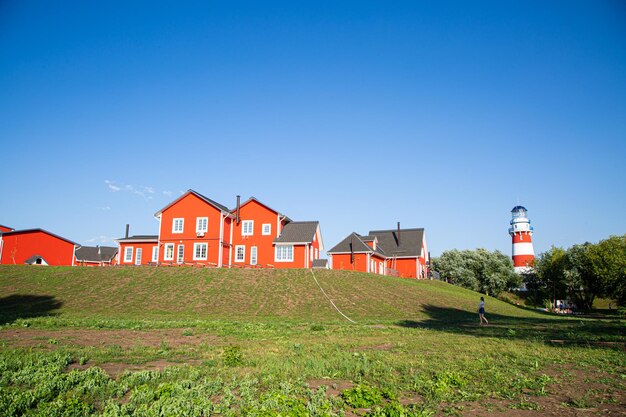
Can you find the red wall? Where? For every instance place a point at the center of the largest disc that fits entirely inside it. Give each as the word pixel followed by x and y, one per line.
pixel 146 252
pixel 189 208
pixel 406 267
pixel 20 246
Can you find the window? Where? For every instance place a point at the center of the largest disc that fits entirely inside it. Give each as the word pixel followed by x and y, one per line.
pixel 155 254
pixel 138 256
pixel 240 253
pixel 169 252
pixel 178 225
pixel 199 251
pixel 381 270
pixel 267 229
pixel 201 224
pixel 253 255
pixel 128 254
pixel 180 256
pixel 284 253
pixel 247 227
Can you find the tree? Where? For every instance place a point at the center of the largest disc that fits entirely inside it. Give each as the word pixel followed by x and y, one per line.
pixel 582 281
pixel 547 280
pixel 608 259
pixel 478 270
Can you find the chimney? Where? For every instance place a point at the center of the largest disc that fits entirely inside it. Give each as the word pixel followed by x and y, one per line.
pixel 398 234
pixel 127 227
pixel 237 209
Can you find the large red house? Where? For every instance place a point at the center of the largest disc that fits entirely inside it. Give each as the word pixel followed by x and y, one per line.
pixel 195 230
pixel 35 247
pixel 399 252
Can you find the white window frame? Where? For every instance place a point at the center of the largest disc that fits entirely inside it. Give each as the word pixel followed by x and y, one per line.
pixel 171 257
pixel 266 230
pixel 180 254
pixel 279 256
pixel 138 254
pixel 182 225
pixel 128 259
pixel 155 254
pixel 254 255
pixel 244 229
pixel 195 251
pixel 199 221
pixel 243 253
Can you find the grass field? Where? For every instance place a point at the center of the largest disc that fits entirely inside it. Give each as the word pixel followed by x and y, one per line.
pixel 185 341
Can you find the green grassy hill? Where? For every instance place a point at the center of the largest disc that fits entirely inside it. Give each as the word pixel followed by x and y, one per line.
pixel 169 293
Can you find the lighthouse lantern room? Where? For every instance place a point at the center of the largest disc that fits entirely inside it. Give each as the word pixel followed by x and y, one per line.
pixel 521 233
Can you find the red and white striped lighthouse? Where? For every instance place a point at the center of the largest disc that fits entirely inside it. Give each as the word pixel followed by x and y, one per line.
pixel 521 232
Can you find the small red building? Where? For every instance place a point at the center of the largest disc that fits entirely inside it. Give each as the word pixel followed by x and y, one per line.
pixel 138 250
pixel 399 252
pixel 36 247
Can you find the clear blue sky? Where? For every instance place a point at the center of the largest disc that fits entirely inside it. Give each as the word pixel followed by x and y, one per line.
pixel 442 115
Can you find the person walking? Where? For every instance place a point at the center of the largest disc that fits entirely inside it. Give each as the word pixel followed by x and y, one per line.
pixel 481 311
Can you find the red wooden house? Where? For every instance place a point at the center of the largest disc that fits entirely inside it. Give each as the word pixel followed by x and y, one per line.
pixel 138 250
pixel 35 247
pixel 401 252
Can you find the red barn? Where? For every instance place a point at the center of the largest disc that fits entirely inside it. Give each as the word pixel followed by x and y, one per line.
pixel 36 247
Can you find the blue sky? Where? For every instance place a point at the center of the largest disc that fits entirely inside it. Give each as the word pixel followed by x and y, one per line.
pixel 442 115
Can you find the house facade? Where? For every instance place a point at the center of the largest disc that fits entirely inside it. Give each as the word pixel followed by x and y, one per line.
pixel 398 252
pixel 195 230
pixel 36 247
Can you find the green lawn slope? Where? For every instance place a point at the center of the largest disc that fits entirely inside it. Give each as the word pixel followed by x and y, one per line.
pixel 171 293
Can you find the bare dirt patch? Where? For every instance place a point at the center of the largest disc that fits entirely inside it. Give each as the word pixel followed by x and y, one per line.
pixel 88 337
pixel 334 386
pixel 114 369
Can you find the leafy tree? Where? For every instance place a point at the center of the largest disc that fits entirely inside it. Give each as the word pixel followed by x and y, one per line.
pixel 608 259
pixel 547 280
pixel 584 285
pixel 478 270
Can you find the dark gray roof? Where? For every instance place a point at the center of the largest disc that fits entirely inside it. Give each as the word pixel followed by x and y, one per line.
pixel 135 238
pixel 518 208
pixel 33 259
pixel 320 263
pixel 358 245
pixel 200 196
pixel 409 244
pixel 95 253
pixel 298 232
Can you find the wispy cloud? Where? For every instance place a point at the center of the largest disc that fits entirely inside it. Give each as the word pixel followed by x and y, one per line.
pixel 168 193
pixel 105 208
pixel 101 239
pixel 139 190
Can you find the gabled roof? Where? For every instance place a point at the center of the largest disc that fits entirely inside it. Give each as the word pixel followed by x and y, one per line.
pixel 320 263
pixel 139 238
pixel 298 232
pixel 15 232
pixel 10 229
pixel 215 204
pixel 409 244
pixel 261 203
pixel 354 242
pixel 95 253
pixel 33 260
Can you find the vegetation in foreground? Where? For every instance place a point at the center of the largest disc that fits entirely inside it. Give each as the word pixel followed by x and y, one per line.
pixel 421 353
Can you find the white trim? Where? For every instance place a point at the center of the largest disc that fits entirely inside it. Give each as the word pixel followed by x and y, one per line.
pixel 254 250
pixel 230 248
pixel 196 245
pixel 243 257
pixel 206 224
pixel 126 260
pixel 182 225
pixel 138 255
pixel 243 228
pixel 180 259
pixel 269 232
pixel 155 252
pixel 221 245
pixel 165 246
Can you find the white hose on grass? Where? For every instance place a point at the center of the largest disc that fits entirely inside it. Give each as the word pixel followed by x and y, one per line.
pixel 331 301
